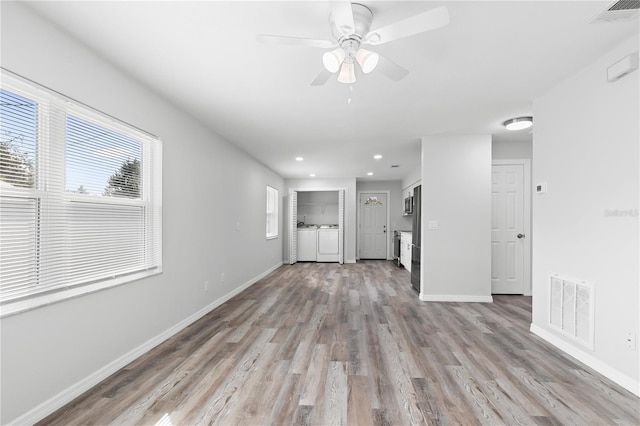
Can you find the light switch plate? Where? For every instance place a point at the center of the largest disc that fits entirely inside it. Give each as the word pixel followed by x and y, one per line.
pixel 541 188
pixel 433 224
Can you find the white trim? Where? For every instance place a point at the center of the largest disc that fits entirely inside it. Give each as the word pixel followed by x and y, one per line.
pixel 455 298
pixel 350 261
pixel 341 222
pixel 526 163
pixel 359 212
pixel 606 370
pixel 57 401
pixel 276 212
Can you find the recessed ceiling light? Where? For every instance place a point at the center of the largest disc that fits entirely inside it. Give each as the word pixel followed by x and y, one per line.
pixel 518 123
pixel 369 173
pixel 312 175
pixel 377 156
pixel 299 158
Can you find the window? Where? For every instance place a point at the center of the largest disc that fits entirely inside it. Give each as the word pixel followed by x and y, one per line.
pixel 272 212
pixel 80 199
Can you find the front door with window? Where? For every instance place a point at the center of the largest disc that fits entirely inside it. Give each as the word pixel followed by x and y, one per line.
pixel 373 226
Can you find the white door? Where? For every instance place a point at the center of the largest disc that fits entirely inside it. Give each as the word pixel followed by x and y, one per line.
pixel 293 227
pixel 508 237
pixel 373 226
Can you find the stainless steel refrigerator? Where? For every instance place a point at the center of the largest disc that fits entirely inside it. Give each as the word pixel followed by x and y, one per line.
pixel 415 238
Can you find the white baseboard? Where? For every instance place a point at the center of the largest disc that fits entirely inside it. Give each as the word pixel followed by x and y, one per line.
pixel 455 298
pixel 606 370
pixel 52 404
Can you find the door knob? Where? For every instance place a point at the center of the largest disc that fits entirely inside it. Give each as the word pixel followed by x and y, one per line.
pixel 520 235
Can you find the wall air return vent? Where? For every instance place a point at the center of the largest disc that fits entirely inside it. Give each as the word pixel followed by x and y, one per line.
pixel 571 308
pixel 622 10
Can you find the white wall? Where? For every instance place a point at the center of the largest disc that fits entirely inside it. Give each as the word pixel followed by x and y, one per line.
pixel 350 209
pixel 586 148
pixel 318 207
pixel 511 149
pixel 208 186
pixel 456 191
pixel 413 177
pixel 396 205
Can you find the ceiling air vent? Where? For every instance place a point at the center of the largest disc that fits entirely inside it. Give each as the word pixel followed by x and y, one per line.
pixel 622 10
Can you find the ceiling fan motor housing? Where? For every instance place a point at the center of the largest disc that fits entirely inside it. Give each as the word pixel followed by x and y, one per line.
pixel 362 18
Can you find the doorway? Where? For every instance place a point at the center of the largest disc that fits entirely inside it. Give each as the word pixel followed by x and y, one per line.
pixel 373 238
pixel 510 227
pixel 329 221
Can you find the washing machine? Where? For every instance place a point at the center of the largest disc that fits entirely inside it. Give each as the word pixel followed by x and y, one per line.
pixel 307 246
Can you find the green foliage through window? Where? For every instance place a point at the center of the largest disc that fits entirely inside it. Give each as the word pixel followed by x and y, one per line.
pixel 125 182
pixel 17 140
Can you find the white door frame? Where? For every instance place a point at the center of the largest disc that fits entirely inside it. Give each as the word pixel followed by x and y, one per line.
pixel 358 213
pixel 526 163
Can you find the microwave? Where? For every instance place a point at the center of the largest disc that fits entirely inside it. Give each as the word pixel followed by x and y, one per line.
pixel 408 205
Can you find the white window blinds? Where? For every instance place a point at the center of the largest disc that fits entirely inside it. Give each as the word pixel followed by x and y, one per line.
pixel 80 198
pixel 272 212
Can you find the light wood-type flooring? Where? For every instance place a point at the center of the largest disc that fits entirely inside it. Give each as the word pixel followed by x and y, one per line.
pixel 326 344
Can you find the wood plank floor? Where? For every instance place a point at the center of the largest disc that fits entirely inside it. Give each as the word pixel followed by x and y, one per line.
pixel 326 344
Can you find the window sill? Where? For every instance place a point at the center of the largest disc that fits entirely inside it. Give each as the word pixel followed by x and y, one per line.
pixel 36 302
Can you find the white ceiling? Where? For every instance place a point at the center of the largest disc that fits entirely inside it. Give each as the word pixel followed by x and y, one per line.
pixel 486 66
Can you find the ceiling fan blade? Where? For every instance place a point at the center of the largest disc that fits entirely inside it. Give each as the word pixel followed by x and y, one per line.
pixel 296 41
pixel 392 70
pixel 430 20
pixel 342 16
pixel 322 77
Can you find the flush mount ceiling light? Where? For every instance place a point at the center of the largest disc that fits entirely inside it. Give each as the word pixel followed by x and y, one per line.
pixel 377 156
pixel 518 123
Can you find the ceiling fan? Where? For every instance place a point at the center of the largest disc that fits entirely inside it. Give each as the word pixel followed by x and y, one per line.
pixel 351 29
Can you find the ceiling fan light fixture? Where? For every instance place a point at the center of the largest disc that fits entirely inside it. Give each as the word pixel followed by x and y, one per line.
pixel 518 123
pixel 332 60
pixel 367 59
pixel 347 73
